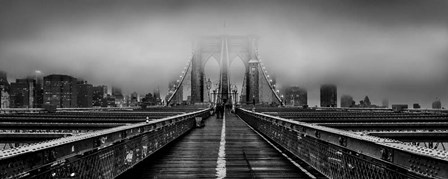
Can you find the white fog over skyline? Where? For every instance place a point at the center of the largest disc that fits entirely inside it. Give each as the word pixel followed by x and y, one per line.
pixel 395 49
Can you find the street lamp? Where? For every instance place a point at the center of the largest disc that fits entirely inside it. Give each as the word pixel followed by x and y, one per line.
pixel 214 97
pixel 236 94
pixel 281 97
pixel 234 99
pixel 209 86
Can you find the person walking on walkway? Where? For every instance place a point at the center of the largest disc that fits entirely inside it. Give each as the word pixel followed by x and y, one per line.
pixel 219 111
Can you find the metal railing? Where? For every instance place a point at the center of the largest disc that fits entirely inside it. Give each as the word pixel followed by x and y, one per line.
pixel 102 154
pixel 341 154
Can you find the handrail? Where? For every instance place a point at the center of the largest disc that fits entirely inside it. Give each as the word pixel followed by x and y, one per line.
pixel 24 160
pixel 342 148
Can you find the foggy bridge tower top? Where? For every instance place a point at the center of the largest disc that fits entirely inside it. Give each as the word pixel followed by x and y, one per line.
pixel 225 49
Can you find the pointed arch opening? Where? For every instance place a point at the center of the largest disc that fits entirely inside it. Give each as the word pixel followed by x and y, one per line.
pixel 237 70
pixel 211 73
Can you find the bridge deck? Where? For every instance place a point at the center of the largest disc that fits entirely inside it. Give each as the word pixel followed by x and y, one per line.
pixel 195 155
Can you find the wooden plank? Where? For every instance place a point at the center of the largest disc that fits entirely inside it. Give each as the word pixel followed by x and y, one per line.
pixel 265 161
pixel 195 155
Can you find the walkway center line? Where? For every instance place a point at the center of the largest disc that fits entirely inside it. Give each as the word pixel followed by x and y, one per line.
pixel 221 163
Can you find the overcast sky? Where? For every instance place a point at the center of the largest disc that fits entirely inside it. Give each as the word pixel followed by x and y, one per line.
pixel 396 49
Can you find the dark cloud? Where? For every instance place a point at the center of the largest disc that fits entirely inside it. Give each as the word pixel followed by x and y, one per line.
pixel 395 48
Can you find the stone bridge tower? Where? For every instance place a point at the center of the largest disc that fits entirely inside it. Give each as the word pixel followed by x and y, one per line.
pixel 225 49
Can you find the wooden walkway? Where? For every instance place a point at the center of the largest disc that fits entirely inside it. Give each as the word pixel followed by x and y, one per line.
pixel 196 155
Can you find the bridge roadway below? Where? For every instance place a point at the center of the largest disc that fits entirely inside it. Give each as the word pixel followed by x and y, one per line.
pixel 77 121
pixel 196 155
pixel 31 136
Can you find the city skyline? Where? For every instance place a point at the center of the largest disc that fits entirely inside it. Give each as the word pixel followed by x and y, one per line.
pixel 342 97
pixel 393 49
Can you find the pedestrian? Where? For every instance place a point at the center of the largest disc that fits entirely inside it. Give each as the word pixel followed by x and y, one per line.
pixel 222 109
pixel 219 111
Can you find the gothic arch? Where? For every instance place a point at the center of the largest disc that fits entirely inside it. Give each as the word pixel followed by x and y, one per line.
pixel 225 49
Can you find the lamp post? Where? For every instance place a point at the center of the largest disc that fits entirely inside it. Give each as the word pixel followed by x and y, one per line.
pixel 283 100
pixel 214 97
pixel 234 92
pixel 209 86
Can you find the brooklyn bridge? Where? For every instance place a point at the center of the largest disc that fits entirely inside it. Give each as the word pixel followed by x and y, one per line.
pixel 251 140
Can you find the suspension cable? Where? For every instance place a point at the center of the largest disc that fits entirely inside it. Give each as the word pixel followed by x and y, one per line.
pixel 269 83
pixel 177 86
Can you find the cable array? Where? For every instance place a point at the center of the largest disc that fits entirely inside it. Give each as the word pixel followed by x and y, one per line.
pixel 269 80
pixel 173 89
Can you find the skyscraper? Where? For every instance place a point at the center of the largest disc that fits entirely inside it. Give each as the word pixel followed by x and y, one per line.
pixel 437 104
pixel 22 93
pixel 4 90
pixel 296 96
pixel 367 102
pixel 38 95
pixel 385 103
pixel 416 106
pixel 134 99
pixel 116 91
pixel 4 101
pixel 347 101
pixel 99 94
pixel 109 101
pixel 38 77
pixel 328 95
pixel 4 84
pixel 156 94
pixel 39 90
pixel 60 90
pixel 118 95
pixel 85 94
